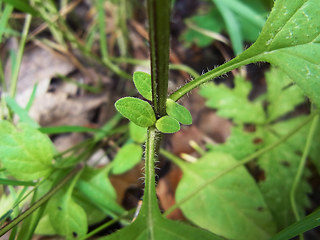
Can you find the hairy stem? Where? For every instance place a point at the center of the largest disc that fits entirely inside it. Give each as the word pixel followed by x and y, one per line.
pixel 159 34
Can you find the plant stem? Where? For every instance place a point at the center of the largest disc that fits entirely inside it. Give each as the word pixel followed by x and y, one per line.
pixel 253 156
pixel 298 176
pixel 237 62
pixel 41 201
pixel 15 70
pixel 159 34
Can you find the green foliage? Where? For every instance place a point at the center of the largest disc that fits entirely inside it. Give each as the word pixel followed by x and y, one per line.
pixel 167 124
pixel 235 194
pixel 95 186
pixel 178 112
pixel 280 164
pixel 26 153
pixel 22 6
pixel 127 157
pixel 138 134
pixel 66 217
pixel 233 103
pixel 243 20
pixel 142 81
pixel 138 111
pixel 290 40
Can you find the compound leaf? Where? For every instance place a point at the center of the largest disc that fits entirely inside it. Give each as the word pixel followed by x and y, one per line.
pixel 142 81
pixel 25 152
pixel 136 110
pixel 178 112
pixel 233 103
pixel 282 95
pixel 232 206
pixel 167 124
pixel 127 157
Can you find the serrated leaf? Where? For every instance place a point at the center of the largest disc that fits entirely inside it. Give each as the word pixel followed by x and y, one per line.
pixel 67 217
pixel 282 95
pixel 136 110
pixel 96 187
pixel 25 152
pixel 239 144
pixel 231 206
pixel 127 157
pixel 178 112
pixel 280 166
pixel 137 133
pixel 142 81
pixel 167 124
pixel 233 103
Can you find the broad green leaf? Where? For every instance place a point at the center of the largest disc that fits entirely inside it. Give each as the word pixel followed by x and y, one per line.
pixel 178 112
pixel 127 157
pixel 233 103
pixel 240 143
pixel 67 217
pixel 232 206
pixel 138 134
pixel 282 95
pixel 25 152
pixel 290 40
pixel 95 186
pixel 136 110
pixel 161 228
pixel 280 166
pixel 142 81
pixel 167 124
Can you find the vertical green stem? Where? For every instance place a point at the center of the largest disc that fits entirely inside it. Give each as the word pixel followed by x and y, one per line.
pixel 159 34
pixel 301 168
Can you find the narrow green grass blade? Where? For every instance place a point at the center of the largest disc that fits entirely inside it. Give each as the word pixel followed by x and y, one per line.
pixel 67 129
pixel 309 222
pixel 32 97
pixel 22 113
pixel 15 182
pixel 4 19
pixel 22 6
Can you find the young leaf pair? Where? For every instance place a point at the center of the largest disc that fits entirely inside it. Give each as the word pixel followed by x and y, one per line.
pixel 141 112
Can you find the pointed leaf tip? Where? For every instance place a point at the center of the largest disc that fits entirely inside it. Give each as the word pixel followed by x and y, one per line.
pixel 136 110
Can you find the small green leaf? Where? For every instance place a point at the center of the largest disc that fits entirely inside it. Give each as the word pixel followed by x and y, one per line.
pixel 22 6
pixel 136 110
pixel 142 81
pixel 168 124
pixel 25 152
pixel 179 112
pixel 137 133
pixel 127 157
